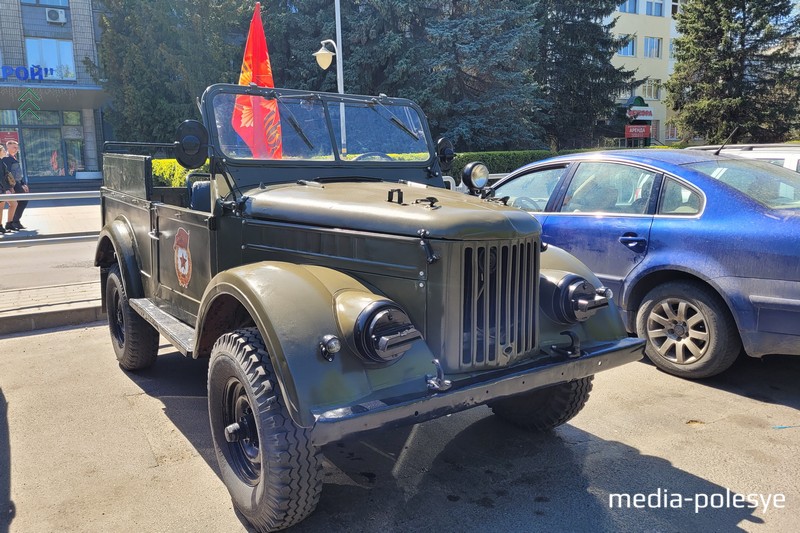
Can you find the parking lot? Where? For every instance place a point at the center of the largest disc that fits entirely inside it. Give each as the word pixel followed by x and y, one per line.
pixel 85 446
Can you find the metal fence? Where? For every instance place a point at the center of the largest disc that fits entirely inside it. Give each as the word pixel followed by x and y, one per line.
pixel 6 242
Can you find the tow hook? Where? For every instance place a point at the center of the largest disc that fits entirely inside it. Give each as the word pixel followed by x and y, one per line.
pixel 438 383
pixel 571 351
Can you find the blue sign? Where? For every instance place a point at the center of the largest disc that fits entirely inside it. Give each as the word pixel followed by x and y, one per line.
pixel 34 72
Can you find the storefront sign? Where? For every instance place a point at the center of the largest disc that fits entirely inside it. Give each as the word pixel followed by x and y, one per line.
pixel 640 113
pixel 34 72
pixel 6 136
pixel 637 131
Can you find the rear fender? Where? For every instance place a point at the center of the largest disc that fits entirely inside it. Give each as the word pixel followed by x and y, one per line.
pixel 294 307
pixel 116 244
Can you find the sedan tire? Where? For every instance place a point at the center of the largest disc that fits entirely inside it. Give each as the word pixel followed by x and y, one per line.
pixel 689 330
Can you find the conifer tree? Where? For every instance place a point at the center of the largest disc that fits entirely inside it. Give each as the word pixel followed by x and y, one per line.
pixel 737 64
pixel 575 71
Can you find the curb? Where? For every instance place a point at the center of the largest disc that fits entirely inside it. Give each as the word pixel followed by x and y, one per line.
pixel 25 323
pixel 27 310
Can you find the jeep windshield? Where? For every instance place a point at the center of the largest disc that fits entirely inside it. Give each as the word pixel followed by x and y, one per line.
pixel 257 124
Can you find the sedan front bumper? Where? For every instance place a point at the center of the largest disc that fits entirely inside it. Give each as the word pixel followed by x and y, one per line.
pixel 335 424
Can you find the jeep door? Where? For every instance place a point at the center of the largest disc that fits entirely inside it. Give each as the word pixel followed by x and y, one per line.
pixel 184 258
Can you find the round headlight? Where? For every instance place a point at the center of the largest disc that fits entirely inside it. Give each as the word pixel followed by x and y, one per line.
pixel 475 175
pixel 567 298
pixel 383 332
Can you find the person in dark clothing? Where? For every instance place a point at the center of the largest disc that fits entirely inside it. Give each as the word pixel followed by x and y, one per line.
pixel 5 186
pixel 14 166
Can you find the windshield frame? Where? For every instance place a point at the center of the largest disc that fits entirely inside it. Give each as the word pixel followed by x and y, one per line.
pixel 327 99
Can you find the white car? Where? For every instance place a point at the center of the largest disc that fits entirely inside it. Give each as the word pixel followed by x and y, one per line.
pixel 785 155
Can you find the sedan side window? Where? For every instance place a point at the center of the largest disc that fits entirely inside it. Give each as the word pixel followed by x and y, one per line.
pixel 677 199
pixel 609 188
pixel 531 191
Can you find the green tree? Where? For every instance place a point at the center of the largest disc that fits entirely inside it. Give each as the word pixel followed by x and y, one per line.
pixel 737 65
pixel 156 56
pixel 575 70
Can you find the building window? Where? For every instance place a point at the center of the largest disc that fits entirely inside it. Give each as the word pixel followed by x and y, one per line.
pixel 671 133
pixel 58 3
pixel 652 47
pixel 51 54
pixel 672 48
pixel 52 145
pixel 655 8
pixel 655 128
pixel 651 90
pixel 677 7
pixel 629 6
pixel 628 50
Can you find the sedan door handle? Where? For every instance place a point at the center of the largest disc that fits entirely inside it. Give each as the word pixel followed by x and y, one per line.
pixel 634 242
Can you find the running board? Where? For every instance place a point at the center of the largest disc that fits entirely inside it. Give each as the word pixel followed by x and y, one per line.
pixel 179 334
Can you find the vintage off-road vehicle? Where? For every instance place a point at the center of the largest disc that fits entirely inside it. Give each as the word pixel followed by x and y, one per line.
pixel 338 287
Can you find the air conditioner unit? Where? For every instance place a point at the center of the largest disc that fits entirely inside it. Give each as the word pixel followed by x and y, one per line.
pixel 56 16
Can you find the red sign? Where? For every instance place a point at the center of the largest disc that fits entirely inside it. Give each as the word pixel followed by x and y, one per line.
pixel 637 131
pixel 6 136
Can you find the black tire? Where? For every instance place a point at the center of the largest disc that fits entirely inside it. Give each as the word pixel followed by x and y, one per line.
pixel 547 408
pixel 135 341
pixel 273 470
pixel 689 330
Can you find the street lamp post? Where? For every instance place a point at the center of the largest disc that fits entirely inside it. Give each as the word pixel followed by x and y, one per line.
pixel 323 56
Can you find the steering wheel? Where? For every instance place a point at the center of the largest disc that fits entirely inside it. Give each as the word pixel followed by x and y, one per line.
pixel 524 202
pixel 373 156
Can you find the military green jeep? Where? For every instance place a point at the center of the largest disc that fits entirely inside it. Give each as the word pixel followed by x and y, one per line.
pixel 337 286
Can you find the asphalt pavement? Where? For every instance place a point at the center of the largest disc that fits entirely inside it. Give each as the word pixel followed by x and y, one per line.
pixel 85 446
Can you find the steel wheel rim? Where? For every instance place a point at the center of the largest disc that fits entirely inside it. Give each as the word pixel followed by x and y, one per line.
pixel 118 319
pixel 678 331
pixel 245 453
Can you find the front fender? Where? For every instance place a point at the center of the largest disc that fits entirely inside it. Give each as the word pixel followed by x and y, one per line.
pixel 605 325
pixel 116 243
pixel 293 307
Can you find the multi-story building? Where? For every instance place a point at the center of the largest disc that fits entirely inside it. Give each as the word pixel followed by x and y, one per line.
pixel 651 25
pixel 49 102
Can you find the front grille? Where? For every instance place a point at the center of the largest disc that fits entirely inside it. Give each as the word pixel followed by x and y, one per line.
pixel 498 303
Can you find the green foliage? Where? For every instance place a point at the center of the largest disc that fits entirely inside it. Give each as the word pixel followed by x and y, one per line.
pixel 737 65
pixel 157 56
pixel 499 162
pixel 169 173
pixel 489 74
pixel 575 72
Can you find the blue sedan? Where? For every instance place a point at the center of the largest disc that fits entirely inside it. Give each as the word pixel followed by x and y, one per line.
pixel 702 251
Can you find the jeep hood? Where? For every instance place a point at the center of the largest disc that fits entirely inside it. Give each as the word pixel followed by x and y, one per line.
pixel 366 206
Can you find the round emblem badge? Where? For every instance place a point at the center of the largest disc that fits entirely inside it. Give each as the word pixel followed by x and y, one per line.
pixel 183 257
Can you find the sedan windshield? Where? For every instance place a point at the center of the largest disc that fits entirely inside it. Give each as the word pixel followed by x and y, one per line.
pixel 773 186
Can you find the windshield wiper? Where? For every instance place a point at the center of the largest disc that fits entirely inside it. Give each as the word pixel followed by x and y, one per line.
pixel 394 120
pixel 293 121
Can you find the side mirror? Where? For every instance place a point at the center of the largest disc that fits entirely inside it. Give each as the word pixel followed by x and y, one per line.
pixel 475 175
pixel 446 153
pixel 191 148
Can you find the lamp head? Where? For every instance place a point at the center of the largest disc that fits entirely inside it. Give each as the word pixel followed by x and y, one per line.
pixel 324 57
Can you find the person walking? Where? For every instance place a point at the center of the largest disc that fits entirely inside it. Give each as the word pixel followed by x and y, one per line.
pixel 15 167
pixel 5 188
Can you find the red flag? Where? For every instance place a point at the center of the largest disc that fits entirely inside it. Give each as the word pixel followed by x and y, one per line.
pixel 258 125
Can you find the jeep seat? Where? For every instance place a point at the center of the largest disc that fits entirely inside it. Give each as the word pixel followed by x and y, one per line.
pixel 199 193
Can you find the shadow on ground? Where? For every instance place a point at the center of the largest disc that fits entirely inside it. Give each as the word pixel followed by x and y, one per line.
pixel 771 379
pixel 6 505
pixel 472 472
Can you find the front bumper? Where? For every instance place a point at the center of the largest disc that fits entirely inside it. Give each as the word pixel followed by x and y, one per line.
pixel 335 424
